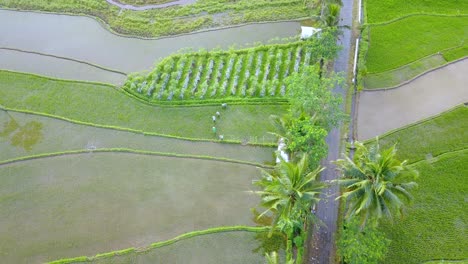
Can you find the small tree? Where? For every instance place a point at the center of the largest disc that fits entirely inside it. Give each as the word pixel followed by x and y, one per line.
pixel 289 192
pixel 308 92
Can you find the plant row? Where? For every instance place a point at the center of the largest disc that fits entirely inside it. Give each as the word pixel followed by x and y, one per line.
pixel 257 72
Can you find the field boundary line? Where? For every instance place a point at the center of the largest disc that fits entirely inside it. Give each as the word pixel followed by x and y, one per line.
pixel 415 163
pixel 133 130
pixel 412 15
pixel 417 76
pixel 164 104
pixel 130 151
pixel 163 243
pixel 386 134
pixel 64 58
pixel 108 28
pixel 422 58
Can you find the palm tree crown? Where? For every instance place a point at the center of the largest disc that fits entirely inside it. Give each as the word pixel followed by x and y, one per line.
pixel 375 182
pixel 289 191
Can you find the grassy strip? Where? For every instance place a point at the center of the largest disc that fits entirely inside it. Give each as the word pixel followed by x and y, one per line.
pixel 409 39
pixel 442 261
pixel 455 54
pixel 133 130
pixel 403 74
pixel 130 151
pixel 163 243
pixel 262 84
pixel 84 102
pixel 173 20
pixel 445 132
pixel 144 2
pixel 384 10
pixel 437 219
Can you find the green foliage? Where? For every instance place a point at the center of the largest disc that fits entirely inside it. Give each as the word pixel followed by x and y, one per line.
pixel 455 54
pixel 401 42
pixel 248 73
pixel 302 135
pixel 432 137
pixel 331 15
pixel 309 93
pixel 173 20
pixel 374 183
pixel 435 227
pixel 289 192
pixel 80 101
pixel 362 246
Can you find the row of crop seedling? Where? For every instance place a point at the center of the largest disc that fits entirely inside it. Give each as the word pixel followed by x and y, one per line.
pixel 258 72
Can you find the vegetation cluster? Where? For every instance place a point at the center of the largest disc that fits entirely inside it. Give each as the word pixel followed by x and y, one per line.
pixel 203 14
pixel 256 72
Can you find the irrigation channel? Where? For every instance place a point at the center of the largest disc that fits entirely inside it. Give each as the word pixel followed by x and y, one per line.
pixel 84 39
pixel 380 111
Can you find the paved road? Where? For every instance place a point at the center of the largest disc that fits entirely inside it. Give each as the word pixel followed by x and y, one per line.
pixel 321 248
pixel 148 7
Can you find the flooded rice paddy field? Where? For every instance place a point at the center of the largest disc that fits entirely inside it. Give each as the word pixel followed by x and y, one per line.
pixel 226 247
pixel 85 204
pixel 56 67
pixel 91 203
pixel 428 95
pixel 83 38
pixel 26 134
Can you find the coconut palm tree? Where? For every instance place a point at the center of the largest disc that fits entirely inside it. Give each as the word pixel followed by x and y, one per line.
pixel 376 183
pixel 289 191
pixel 331 15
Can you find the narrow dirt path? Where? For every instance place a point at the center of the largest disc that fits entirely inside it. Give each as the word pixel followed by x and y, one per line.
pixel 321 248
pixel 148 7
pixel 384 110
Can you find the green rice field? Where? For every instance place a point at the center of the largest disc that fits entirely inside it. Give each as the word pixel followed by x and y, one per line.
pixel 26 135
pixel 404 41
pixel 84 102
pixel 438 149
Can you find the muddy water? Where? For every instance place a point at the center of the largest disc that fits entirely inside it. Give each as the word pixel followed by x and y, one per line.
pixel 440 90
pixel 83 38
pixel 56 67
pixel 92 203
pixel 57 135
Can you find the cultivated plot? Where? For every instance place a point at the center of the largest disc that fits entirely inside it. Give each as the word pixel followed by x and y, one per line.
pixel 98 202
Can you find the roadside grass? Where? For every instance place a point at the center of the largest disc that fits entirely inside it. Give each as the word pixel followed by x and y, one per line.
pixel 400 75
pixel 204 14
pixel 104 105
pixel 99 202
pixel 385 10
pixel 444 133
pixel 404 41
pixel 435 226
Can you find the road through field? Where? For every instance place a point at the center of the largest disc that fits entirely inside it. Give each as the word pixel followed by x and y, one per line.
pixel 437 91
